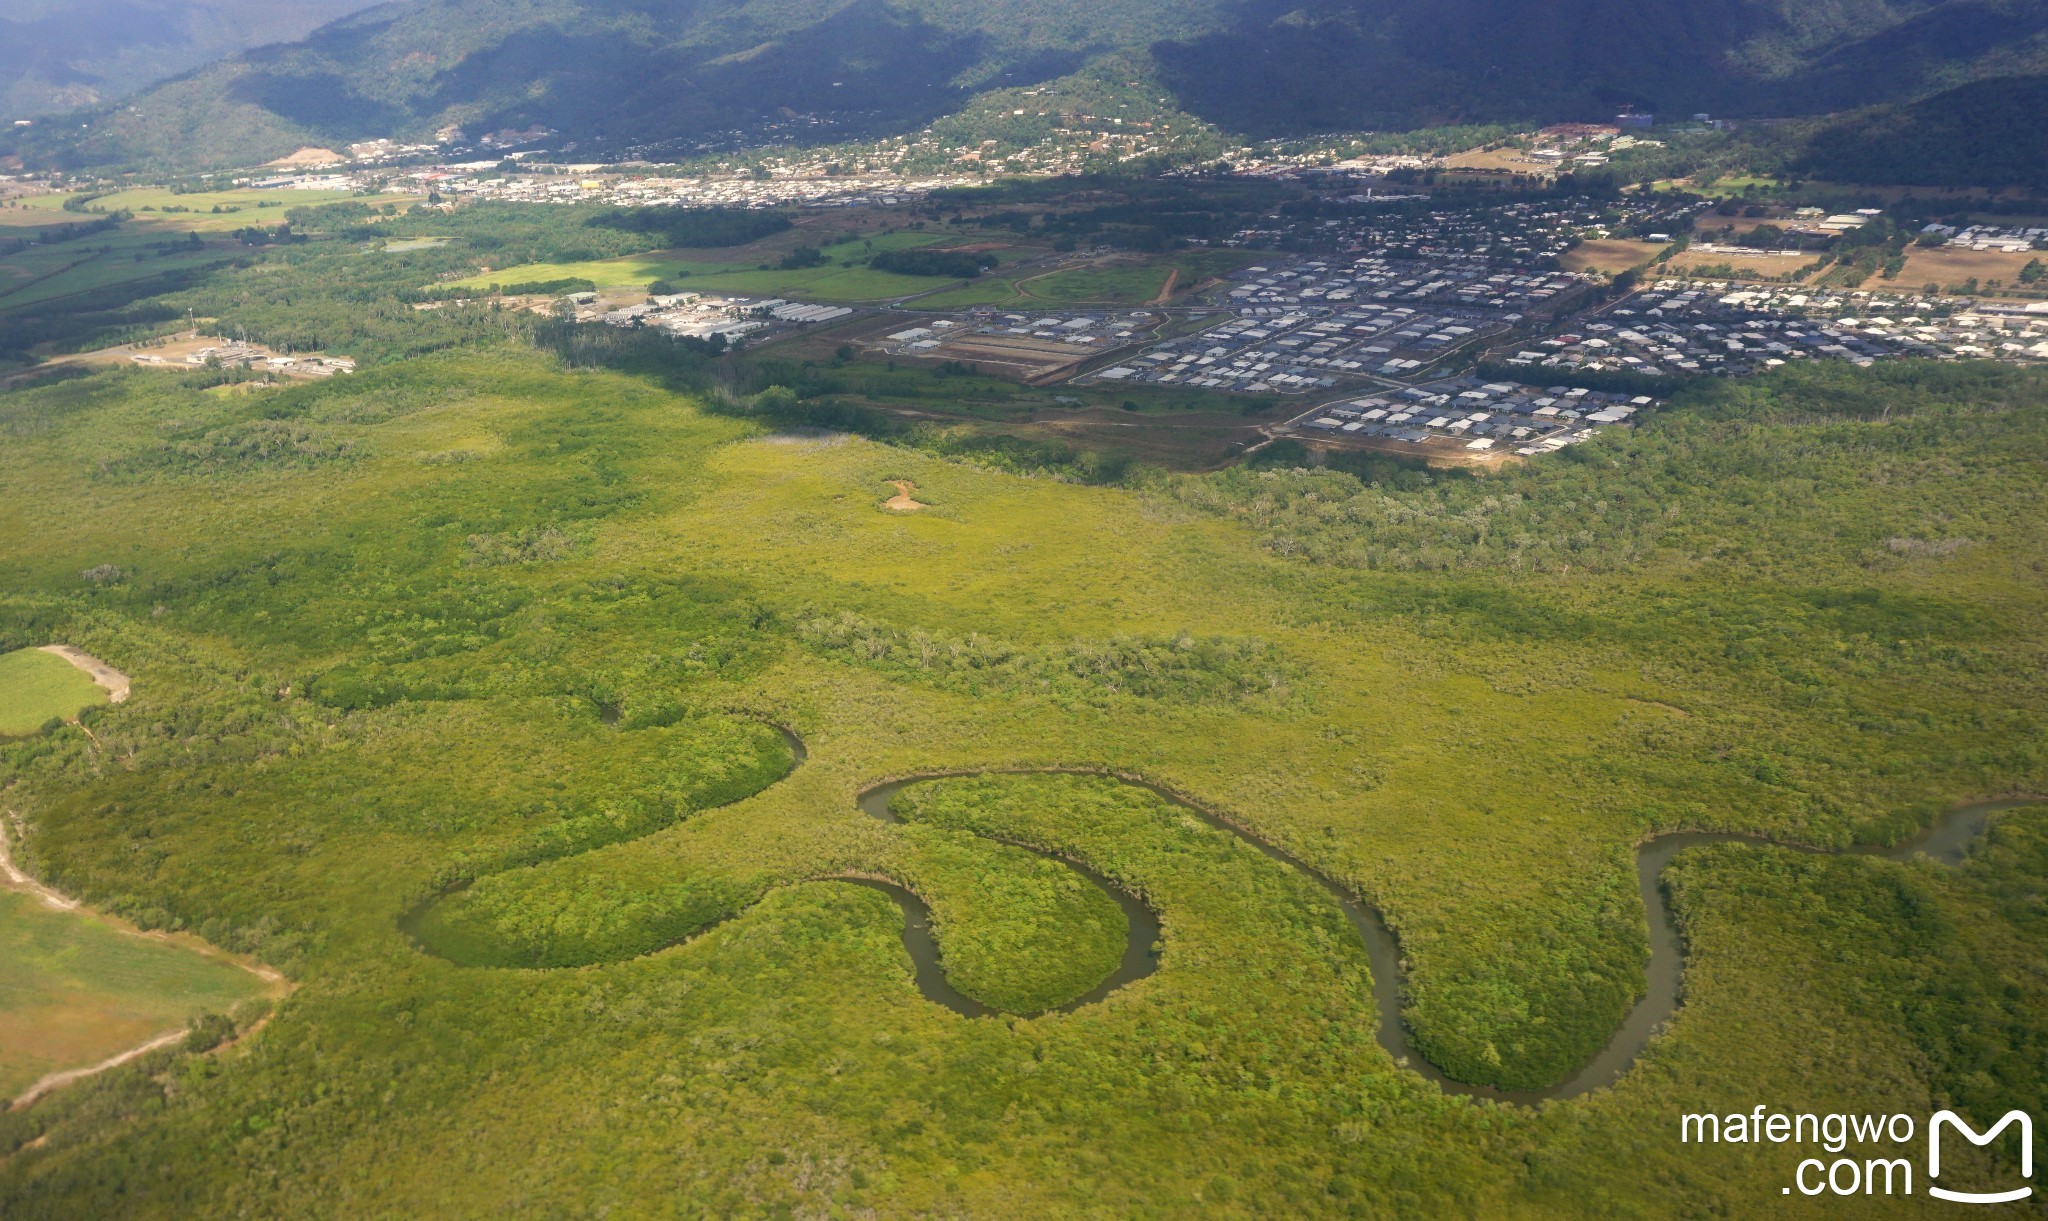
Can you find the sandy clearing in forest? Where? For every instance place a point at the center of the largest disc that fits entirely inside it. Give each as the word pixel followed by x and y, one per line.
pixel 902 502
pixel 111 680
pixel 11 877
pixel 53 1081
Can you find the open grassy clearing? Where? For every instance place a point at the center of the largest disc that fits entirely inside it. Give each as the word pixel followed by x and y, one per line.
pixel 378 669
pixel 38 687
pixel 43 274
pixel 694 272
pixel 1751 266
pixel 79 989
pixel 1952 268
pixel 1610 257
pixel 194 213
pixel 1119 283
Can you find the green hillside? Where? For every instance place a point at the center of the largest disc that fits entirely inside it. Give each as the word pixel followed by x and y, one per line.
pixel 612 77
pixel 1987 133
pixel 1407 63
pixel 59 55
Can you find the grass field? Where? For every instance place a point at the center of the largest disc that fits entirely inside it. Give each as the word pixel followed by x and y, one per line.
pixel 1745 266
pixel 1951 268
pixel 829 281
pixel 195 212
pixel 477 618
pixel 42 274
pixel 1610 257
pixel 36 687
pixel 1113 284
pixel 78 989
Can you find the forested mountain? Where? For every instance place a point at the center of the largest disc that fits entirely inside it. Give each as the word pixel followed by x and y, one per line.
pixel 58 55
pixel 613 74
pixel 1340 64
pixel 1987 133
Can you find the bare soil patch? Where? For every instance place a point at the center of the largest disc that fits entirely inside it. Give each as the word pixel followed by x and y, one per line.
pixel 53 1081
pixel 1949 266
pixel 1610 255
pixel 110 680
pixel 902 501
pixel 311 155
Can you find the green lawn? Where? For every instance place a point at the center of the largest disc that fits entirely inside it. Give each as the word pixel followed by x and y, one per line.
pixel 78 989
pixel 36 687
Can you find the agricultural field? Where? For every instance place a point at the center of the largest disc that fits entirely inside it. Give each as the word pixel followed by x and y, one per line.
pixel 35 277
pixel 693 271
pixel 196 212
pixel 38 687
pixel 483 695
pixel 1127 280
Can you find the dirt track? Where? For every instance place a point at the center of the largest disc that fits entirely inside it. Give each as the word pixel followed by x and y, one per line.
pixel 111 680
pixel 54 1081
pixel 902 502
pixel 12 878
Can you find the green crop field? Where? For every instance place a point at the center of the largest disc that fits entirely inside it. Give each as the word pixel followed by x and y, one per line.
pixel 829 281
pixel 38 687
pixel 78 990
pixel 458 682
pixel 195 211
pixel 43 274
pixel 1114 284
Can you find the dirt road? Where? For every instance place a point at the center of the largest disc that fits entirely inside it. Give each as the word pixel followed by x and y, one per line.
pixel 111 680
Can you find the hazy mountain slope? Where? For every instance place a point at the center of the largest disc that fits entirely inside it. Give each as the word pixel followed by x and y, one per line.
pixel 58 55
pixel 1345 64
pixel 614 75
pixel 1987 133
pixel 621 70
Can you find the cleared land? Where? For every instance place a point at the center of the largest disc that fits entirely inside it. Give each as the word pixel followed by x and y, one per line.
pixel 697 271
pixel 37 687
pixel 195 213
pixel 1753 265
pixel 1610 256
pixel 1950 267
pixel 1124 280
pixel 80 988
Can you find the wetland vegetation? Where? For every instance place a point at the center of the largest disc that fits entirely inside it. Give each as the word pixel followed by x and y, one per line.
pixel 480 653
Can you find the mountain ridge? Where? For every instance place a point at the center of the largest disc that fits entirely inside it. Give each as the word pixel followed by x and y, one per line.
pixel 65 55
pixel 619 74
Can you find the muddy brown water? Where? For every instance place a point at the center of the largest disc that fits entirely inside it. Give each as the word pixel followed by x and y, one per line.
pixel 1948 842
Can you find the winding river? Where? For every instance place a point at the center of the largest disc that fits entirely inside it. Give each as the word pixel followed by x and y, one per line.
pixel 1948 842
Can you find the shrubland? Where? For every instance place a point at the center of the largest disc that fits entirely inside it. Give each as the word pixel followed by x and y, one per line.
pixel 524 625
